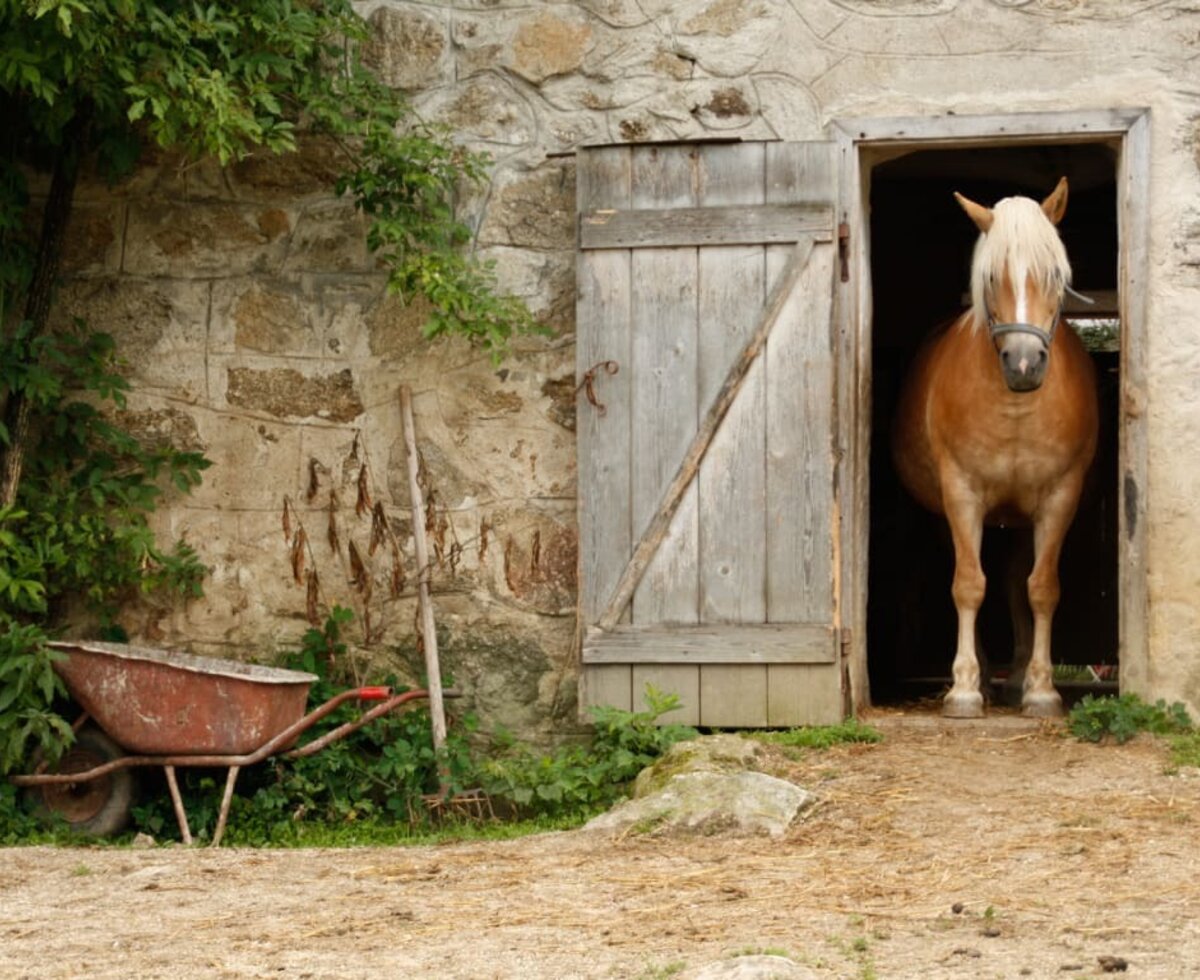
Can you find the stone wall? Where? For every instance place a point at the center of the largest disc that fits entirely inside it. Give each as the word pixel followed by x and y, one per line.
pixel 256 327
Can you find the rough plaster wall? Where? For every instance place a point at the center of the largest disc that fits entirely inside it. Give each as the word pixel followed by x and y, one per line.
pixel 257 329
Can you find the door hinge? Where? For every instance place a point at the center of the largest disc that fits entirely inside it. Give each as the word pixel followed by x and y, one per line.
pixel 844 249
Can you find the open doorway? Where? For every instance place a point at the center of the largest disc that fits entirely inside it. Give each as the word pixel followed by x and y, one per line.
pixel 920 247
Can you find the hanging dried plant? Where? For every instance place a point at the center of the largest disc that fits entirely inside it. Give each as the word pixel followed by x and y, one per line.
pixel 358 570
pixel 314 591
pixel 484 530
pixel 331 532
pixel 287 520
pixel 378 527
pixel 454 557
pixel 354 447
pixel 363 504
pixel 535 551
pixel 397 578
pixel 299 553
pixel 314 482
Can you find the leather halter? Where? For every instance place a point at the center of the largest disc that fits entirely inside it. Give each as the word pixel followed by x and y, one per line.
pixel 1046 337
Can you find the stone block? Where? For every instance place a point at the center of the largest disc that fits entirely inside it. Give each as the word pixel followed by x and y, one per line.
pixel 407 48
pixel 547 45
pixel 285 392
pixel 160 328
pixel 266 316
pixel 532 210
pixel 254 464
pixel 193 240
pixel 92 245
pixel 331 237
pixel 311 170
pixel 486 108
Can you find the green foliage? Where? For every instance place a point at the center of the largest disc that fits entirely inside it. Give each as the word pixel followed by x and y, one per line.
pixel 228 79
pixel 79 528
pixel 583 779
pixel 821 736
pixel 28 687
pixel 1093 719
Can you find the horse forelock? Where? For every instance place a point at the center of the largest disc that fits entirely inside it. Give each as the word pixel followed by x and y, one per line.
pixel 1021 239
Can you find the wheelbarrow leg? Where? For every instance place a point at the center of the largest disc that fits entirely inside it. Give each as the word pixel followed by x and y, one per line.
pixel 177 800
pixel 225 801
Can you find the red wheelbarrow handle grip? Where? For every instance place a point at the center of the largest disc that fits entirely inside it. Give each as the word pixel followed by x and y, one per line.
pixel 374 693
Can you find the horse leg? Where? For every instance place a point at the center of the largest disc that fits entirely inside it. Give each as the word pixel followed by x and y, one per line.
pixel 1039 698
pixel 964 513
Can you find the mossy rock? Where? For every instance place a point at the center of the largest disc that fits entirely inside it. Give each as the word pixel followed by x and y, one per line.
pixel 710 753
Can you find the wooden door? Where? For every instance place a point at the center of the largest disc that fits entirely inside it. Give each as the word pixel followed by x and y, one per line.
pixel 707 431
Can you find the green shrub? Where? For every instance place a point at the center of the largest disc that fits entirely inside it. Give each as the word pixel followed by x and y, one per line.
pixel 580 780
pixel 1093 719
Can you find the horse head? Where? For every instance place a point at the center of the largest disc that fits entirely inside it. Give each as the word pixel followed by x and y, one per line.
pixel 1018 277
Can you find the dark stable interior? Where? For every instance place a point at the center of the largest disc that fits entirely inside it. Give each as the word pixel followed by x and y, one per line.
pixel 921 243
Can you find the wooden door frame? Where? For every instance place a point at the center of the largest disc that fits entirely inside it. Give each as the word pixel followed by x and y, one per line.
pixel 863 143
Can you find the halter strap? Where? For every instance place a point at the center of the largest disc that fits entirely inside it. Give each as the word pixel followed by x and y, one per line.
pixel 1045 336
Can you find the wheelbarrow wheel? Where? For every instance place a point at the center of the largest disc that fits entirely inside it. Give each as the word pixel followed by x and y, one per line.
pixel 98 807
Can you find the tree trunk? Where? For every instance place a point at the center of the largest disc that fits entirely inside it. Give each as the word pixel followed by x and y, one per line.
pixel 18 412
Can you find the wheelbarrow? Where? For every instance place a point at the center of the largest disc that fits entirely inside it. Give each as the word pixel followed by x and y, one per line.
pixel 149 707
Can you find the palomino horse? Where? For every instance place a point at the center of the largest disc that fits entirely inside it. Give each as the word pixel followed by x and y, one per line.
pixel 997 423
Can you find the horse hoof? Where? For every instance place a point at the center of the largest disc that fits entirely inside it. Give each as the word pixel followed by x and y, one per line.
pixel 969 705
pixel 1042 705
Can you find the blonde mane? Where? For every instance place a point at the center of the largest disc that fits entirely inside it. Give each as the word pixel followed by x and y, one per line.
pixel 1023 240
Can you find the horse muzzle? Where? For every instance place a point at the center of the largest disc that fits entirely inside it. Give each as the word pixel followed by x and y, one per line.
pixel 1024 354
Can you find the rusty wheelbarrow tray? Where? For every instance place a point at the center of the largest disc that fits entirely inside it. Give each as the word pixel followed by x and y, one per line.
pixel 172 709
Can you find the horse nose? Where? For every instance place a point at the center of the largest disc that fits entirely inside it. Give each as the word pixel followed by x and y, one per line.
pixel 1023 361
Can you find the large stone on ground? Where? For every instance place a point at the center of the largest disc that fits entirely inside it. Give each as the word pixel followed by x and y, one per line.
pixel 707 787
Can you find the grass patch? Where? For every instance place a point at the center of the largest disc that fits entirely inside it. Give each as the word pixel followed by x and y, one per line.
pixel 820 736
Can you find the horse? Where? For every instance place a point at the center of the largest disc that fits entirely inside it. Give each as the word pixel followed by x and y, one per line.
pixel 997 423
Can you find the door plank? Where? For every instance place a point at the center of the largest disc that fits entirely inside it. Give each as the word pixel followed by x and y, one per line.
pixel 665 406
pixel 799 423
pixel 604 285
pixel 733 696
pixel 732 474
pixel 723 643
pixel 667 227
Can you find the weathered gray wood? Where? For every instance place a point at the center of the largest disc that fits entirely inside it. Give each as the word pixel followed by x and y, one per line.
pixel 668 227
pixel 854 316
pixel 804 695
pixel 732 474
pixel 608 684
pixel 772 643
pixel 665 406
pixel 799 417
pixel 733 696
pixel 604 291
pixel 433 671
pixel 967 131
pixel 670 679
pixel 1134 235
pixel 649 546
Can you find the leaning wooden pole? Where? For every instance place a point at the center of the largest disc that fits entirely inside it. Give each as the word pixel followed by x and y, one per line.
pixel 437 711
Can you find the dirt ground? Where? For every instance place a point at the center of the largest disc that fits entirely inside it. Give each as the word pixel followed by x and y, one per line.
pixel 951 850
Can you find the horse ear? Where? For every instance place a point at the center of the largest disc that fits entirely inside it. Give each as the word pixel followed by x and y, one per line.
pixel 1055 206
pixel 983 217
